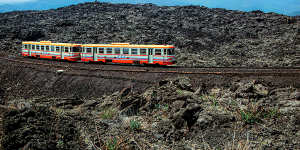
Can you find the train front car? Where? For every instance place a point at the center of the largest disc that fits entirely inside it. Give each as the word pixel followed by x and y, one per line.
pixel 127 53
pixel 169 56
pixel 49 50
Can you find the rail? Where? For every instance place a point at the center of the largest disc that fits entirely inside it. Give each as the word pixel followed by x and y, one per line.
pixel 249 71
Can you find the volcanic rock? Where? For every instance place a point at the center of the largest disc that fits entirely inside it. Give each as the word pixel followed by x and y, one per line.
pixel 202 36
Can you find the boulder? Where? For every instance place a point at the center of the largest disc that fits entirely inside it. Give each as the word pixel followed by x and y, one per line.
pixel 260 89
pixel 177 105
pixel 297 96
pixel 184 84
pixel 124 92
pixel 186 116
pixel 251 89
pixel 1 96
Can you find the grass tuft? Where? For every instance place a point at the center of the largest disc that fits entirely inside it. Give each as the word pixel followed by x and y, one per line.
pixel 135 125
pixel 108 113
pixel 112 144
pixel 254 113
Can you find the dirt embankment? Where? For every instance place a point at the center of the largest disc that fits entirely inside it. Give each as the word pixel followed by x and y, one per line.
pixel 182 112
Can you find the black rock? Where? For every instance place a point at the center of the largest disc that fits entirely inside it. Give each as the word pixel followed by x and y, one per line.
pixel 213 34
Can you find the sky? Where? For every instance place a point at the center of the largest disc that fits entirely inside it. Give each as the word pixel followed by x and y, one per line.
pixel 286 7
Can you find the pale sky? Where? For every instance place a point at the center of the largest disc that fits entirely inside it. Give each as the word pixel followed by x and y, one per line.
pixel 15 1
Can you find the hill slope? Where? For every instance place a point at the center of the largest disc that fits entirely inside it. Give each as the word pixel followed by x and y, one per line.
pixel 204 37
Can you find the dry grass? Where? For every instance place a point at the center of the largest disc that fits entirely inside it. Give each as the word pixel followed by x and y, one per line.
pixel 240 145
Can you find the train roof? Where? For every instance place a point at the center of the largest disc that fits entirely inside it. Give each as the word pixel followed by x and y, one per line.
pixel 50 43
pixel 127 45
pixel 99 45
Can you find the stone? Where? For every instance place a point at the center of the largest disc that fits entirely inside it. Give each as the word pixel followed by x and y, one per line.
pixel 184 84
pixel 23 105
pixel 163 82
pixel 185 93
pixel 215 91
pixel 186 116
pixel 297 96
pixel 187 147
pixel 124 92
pixel 203 121
pixel 158 136
pixel 260 89
pixel 177 105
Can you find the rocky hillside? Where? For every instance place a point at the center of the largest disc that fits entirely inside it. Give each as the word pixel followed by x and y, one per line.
pixel 203 36
pixel 244 114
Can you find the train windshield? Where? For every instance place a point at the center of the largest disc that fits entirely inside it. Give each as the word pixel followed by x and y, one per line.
pixel 76 49
pixel 171 51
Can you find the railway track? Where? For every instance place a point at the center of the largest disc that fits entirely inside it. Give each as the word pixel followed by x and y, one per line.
pixel 66 66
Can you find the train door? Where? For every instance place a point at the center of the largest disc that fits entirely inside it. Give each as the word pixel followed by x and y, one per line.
pixel 150 55
pixel 43 48
pixel 95 53
pixel 164 53
pixel 62 49
pixel 29 50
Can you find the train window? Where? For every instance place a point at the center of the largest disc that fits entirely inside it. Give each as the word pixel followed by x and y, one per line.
pixel 57 48
pixel 101 50
pixel 37 47
pixel 52 48
pixel 33 47
pixel 117 50
pixel 125 50
pixel 26 46
pixel 134 51
pixel 88 50
pixel 47 48
pixel 76 49
pixel 66 49
pixel 157 51
pixel 108 50
pixel 165 52
pixel 143 51
pixel 171 51
pixel 42 47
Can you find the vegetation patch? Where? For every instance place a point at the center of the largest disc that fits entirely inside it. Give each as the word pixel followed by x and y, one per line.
pixel 108 113
pixel 135 125
pixel 255 113
pixel 112 144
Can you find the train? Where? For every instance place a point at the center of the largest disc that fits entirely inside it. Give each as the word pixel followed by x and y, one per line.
pixel 118 53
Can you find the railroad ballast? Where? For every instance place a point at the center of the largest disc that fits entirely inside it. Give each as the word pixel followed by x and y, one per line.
pixel 105 53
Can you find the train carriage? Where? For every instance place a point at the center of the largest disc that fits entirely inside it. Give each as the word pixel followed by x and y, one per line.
pixel 49 50
pixel 106 53
pixel 127 53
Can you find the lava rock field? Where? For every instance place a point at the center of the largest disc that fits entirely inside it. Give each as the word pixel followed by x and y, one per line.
pixel 204 37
